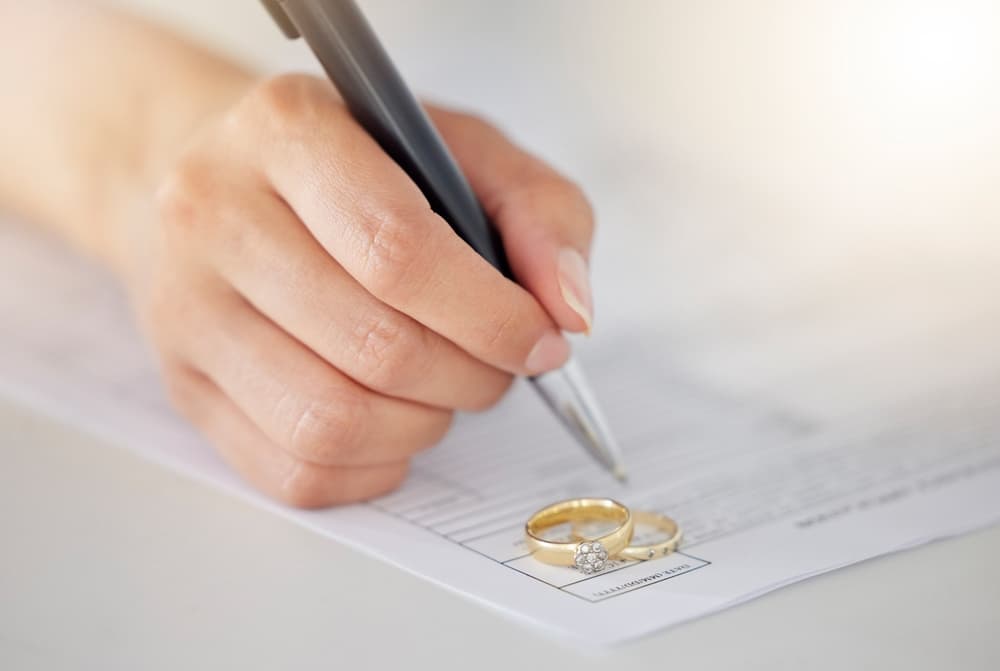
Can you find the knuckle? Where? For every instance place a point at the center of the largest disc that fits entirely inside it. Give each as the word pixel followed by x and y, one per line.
pixel 283 98
pixel 199 209
pixel 287 103
pixel 182 198
pixel 306 486
pixel 328 430
pixel 388 352
pixel 390 245
pixel 547 190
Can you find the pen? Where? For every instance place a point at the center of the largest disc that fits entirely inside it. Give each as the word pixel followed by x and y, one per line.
pixel 376 95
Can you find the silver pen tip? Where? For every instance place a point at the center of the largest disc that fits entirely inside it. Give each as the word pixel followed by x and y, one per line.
pixel 620 474
pixel 568 394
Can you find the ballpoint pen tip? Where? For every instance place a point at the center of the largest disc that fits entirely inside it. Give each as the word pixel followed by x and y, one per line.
pixel 620 475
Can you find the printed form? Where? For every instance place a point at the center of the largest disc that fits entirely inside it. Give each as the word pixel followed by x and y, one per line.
pixel 767 492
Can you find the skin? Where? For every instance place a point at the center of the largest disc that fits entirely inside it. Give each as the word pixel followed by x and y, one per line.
pixel 298 290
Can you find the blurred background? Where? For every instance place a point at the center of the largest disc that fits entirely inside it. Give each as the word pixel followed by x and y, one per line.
pixel 779 184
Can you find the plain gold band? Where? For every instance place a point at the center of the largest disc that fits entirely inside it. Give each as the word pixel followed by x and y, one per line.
pixel 661 522
pixel 577 511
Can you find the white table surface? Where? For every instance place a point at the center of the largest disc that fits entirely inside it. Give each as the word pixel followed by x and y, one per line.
pixel 109 562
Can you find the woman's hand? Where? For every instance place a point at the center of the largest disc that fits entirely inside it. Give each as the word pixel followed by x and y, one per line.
pixel 316 319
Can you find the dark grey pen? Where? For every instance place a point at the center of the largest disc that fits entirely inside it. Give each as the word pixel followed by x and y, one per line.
pixel 355 61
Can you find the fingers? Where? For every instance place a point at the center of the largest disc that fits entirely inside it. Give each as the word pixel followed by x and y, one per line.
pixel 268 468
pixel 306 292
pixel 333 318
pixel 301 403
pixel 373 220
pixel 545 221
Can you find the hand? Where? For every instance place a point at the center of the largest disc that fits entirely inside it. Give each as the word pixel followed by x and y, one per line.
pixel 316 319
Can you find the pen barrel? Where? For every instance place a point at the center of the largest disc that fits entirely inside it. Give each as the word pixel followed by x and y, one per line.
pixel 377 97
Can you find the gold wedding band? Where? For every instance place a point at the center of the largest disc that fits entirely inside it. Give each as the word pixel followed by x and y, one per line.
pixel 661 523
pixel 588 555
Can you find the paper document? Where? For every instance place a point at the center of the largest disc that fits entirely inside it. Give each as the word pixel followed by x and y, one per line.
pixel 767 491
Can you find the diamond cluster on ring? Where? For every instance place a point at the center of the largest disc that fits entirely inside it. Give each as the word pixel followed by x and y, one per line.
pixel 591 557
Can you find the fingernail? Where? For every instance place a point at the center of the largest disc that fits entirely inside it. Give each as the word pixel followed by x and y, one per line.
pixel 550 352
pixel 574 285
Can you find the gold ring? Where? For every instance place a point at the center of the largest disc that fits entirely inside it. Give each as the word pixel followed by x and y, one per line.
pixel 588 555
pixel 661 523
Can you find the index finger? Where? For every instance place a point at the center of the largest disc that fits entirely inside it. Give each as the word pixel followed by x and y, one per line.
pixel 370 216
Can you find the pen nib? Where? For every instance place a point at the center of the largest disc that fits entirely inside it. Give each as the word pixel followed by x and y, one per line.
pixel 566 392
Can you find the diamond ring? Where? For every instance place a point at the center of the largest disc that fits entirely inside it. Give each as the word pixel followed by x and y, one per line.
pixel 589 555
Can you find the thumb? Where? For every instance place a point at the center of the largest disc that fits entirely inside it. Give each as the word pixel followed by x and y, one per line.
pixel 544 220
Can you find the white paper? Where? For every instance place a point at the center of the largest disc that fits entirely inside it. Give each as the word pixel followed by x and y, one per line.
pixel 769 491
